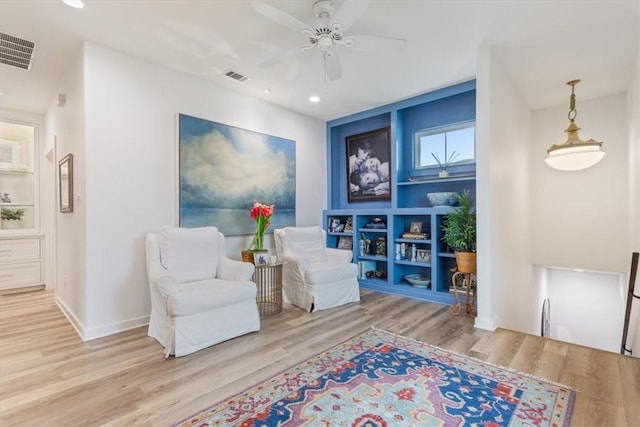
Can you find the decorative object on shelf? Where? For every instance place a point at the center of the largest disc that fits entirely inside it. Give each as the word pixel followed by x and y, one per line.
pixel 261 214
pixel 418 280
pixel 398 256
pixel 381 246
pixel 65 177
pixel 334 223
pixel 459 230
pixel 348 226
pixel 366 269
pixel 381 274
pixel 11 218
pixel 211 195
pixel 5 198
pixel 574 154
pixel 443 199
pixel 423 255
pixel 376 223
pixel 364 245
pixel 368 156
pixel 345 242
pixel 446 162
pixel 403 251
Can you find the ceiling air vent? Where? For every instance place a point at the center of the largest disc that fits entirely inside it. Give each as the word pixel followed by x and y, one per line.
pixel 236 76
pixel 16 51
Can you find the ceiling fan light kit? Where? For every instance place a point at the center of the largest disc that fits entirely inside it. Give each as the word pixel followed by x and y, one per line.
pixel 327 32
pixel 574 154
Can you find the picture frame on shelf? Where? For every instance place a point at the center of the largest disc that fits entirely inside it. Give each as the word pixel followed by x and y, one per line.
pixel 416 227
pixel 345 242
pixel 423 255
pixel 368 157
pixel 65 182
pixel 334 225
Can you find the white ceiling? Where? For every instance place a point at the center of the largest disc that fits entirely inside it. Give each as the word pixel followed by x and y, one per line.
pixel 542 44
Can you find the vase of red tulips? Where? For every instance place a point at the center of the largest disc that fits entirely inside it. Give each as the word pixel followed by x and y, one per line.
pixel 261 214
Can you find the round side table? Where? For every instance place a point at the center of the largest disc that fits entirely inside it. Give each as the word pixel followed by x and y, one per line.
pixel 268 278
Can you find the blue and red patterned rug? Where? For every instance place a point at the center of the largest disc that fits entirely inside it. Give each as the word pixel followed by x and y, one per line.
pixel 381 379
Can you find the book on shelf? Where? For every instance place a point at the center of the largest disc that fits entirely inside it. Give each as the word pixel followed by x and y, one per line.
pixel 417 236
pixel 376 226
pixel 364 267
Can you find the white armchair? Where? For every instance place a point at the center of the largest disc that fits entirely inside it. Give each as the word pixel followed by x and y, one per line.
pixel 315 277
pixel 199 297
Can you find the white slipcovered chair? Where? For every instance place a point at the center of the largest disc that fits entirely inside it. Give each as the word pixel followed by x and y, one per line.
pixel 315 277
pixel 199 297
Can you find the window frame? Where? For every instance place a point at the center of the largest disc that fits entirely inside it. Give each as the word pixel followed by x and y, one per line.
pixel 465 166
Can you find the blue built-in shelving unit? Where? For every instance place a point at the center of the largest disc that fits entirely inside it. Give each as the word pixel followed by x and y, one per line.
pixel 408 204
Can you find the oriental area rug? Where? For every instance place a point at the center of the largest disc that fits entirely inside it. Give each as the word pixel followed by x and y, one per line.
pixel 381 379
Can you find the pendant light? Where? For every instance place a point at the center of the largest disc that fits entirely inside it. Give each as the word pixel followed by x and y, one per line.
pixel 574 154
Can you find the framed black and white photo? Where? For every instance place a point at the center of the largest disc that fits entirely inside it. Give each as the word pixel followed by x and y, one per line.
pixel 334 225
pixel 368 157
pixel 423 255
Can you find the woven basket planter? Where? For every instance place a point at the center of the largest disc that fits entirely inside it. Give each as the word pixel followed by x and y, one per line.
pixel 467 262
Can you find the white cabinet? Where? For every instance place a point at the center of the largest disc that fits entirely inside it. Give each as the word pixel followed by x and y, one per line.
pixel 21 243
pixel 20 262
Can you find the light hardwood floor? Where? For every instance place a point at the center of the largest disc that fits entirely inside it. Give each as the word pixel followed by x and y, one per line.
pixel 49 377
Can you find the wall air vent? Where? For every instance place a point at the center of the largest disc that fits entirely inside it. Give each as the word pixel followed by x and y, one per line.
pixel 236 76
pixel 16 52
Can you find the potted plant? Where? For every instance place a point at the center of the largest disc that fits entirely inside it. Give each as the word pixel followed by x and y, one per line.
pixel 459 230
pixel 11 217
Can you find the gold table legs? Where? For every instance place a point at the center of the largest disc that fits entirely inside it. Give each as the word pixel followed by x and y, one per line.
pixel 467 291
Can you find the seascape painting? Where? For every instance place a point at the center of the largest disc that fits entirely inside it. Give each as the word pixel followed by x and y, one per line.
pixel 223 169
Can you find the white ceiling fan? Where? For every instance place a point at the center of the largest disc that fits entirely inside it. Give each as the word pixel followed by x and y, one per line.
pixel 327 33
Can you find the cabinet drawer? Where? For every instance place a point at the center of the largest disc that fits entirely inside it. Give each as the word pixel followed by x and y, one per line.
pixel 19 250
pixel 19 274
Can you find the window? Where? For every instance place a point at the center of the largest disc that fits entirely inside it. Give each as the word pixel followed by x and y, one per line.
pixel 445 146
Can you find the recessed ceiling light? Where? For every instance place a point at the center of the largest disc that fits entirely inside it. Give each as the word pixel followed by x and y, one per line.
pixel 314 98
pixel 78 4
pixel 267 91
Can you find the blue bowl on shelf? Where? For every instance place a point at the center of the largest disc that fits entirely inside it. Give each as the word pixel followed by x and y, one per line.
pixel 445 198
pixel 418 280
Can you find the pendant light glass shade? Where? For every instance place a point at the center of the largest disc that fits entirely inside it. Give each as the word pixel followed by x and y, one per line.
pixel 574 154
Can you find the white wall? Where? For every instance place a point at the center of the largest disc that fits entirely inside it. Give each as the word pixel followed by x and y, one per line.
pixel 633 108
pixel 129 187
pixel 586 307
pixel 580 221
pixel 502 140
pixel 580 218
pixel 65 133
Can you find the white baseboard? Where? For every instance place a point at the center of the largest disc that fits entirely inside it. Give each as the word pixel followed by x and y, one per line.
pixel 88 334
pixel 485 323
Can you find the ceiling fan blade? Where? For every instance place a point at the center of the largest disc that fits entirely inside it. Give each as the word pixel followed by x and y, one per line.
pixel 369 43
pixel 349 12
pixel 282 56
pixel 279 16
pixel 332 65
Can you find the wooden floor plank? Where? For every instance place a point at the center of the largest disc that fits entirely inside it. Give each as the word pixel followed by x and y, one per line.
pixel 48 376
